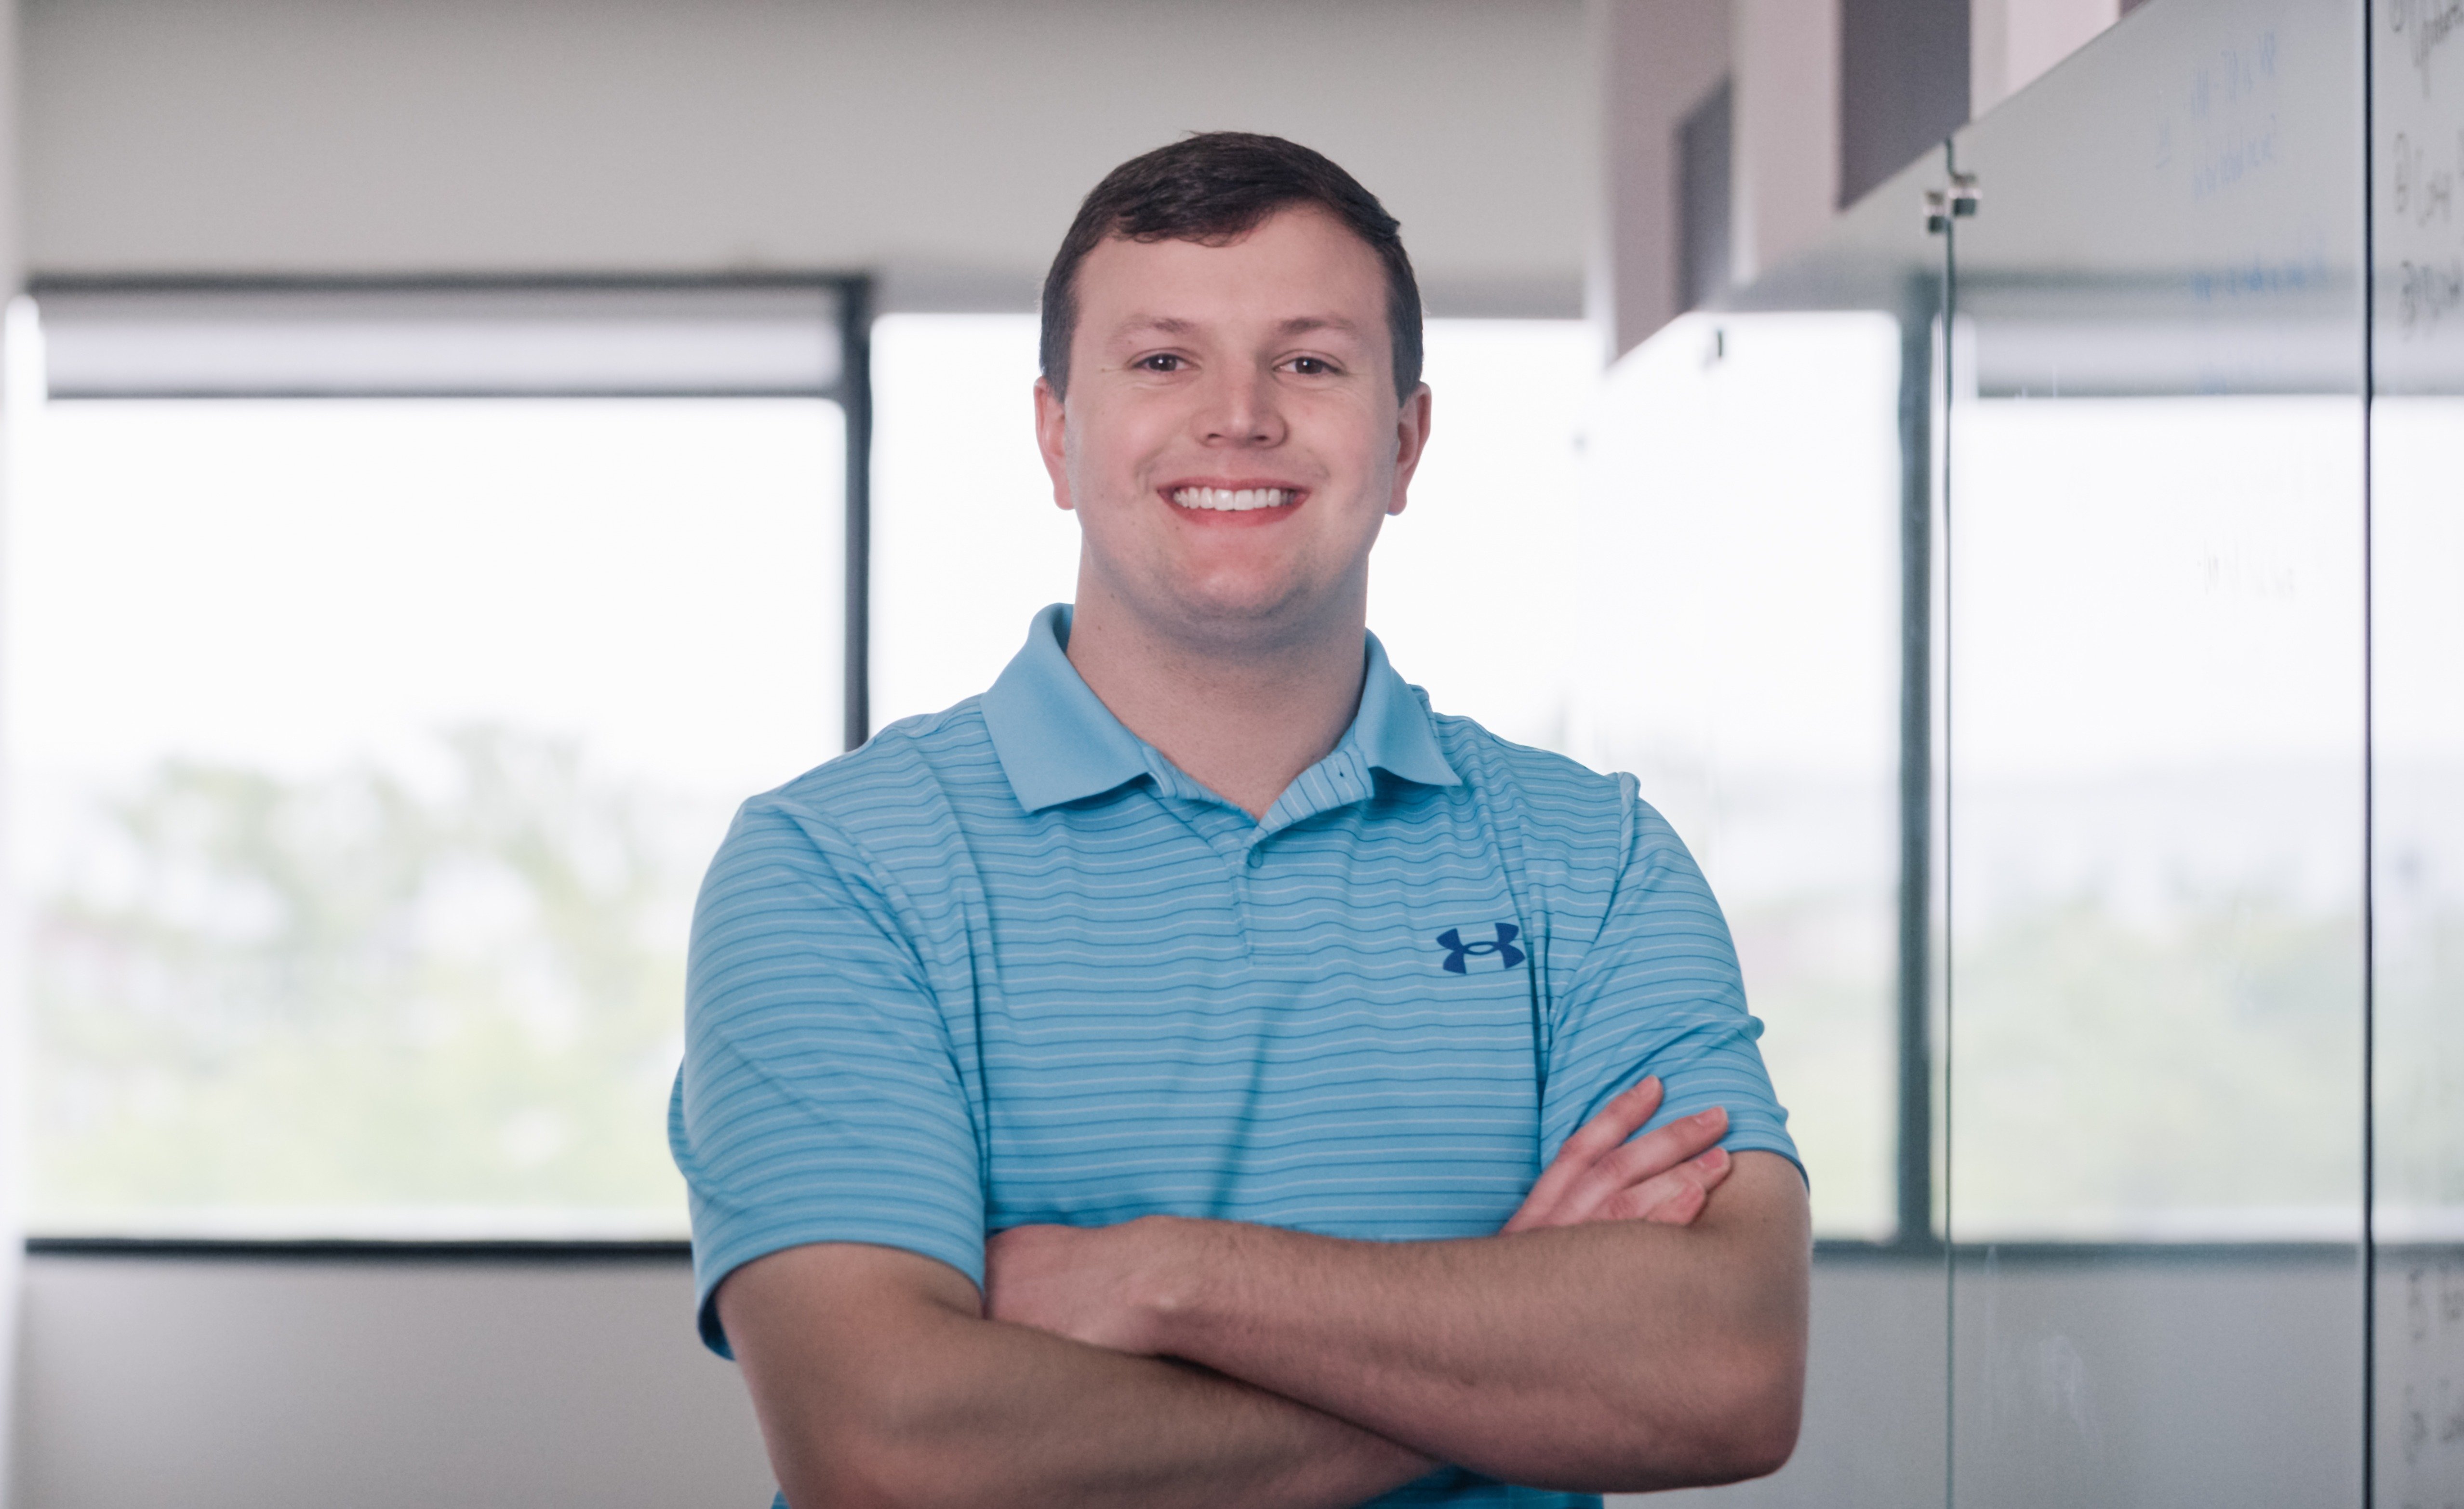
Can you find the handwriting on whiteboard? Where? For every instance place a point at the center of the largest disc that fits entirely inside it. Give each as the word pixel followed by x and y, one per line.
pixel 2422 27
pixel 2430 1411
pixel 2420 222
pixel 2228 117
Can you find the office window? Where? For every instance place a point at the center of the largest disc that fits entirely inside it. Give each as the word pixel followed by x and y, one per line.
pixel 2158 856
pixel 2417 738
pixel 1738 650
pixel 966 542
pixel 383 667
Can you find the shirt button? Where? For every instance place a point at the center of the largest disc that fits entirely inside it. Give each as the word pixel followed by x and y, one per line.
pixel 1257 856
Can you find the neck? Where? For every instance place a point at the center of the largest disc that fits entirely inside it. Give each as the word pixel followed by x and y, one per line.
pixel 1244 716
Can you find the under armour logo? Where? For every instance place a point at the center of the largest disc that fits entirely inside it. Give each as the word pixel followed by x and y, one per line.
pixel 1458 951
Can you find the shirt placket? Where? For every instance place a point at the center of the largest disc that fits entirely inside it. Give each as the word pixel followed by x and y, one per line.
pixel 1229 832
pixel 1243 842
pixel 1338 781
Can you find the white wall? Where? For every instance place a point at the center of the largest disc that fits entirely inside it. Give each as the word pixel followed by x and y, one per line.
pixel 254 1385
pixel 945 140
pixel 258 1385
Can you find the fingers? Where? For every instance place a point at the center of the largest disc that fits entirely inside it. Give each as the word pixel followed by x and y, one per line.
pixel 1664 1175
pixel 1673 1198
pixel 1648 1156
pixel 1619 1119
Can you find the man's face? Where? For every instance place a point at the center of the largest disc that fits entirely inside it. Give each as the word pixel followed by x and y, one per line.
pixel 1232 439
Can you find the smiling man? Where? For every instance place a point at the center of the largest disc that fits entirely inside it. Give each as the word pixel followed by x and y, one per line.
pixel 1194 1072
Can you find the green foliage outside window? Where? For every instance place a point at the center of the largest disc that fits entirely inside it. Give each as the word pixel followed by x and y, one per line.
pixel 360 992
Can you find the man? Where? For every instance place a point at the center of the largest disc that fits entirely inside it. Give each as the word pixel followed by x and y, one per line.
pixel 1134 1085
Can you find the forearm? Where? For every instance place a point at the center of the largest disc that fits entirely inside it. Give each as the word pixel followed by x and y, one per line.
pixel 1617 1354
pixel 997 1414
pixel 932 1405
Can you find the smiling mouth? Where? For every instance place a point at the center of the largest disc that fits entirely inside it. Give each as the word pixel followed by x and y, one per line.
pixel 1233 500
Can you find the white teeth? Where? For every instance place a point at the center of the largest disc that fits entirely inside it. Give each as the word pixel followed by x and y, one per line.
pixel 1225 500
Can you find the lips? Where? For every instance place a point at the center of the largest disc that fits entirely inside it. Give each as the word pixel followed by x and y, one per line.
pixel 1206 499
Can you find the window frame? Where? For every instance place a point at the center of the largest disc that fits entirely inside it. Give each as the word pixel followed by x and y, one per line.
pixel 852 298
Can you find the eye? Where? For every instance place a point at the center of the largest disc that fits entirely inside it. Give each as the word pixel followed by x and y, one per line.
pixel 1312 367
pixel 1160 362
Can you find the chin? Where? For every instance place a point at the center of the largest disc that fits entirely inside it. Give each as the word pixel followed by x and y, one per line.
pixel 1230 604
pixel 1263 615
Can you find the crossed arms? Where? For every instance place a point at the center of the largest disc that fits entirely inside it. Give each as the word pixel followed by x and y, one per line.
pixel 1639 1323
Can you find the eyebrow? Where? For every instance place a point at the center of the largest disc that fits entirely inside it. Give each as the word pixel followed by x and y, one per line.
pixel 1171 326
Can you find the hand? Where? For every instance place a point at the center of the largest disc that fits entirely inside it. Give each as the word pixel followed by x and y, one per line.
pixel 1078 1281
pixel 1598 1175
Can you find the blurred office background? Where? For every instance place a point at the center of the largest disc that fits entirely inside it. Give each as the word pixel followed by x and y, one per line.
pixel 1990 467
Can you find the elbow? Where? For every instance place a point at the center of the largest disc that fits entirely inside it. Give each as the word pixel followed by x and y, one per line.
pixel 1735 1420
pixel 854 1474
pixel 877 1453
pixel 851 1474
pixel 1761 1438
pixel 1745 1424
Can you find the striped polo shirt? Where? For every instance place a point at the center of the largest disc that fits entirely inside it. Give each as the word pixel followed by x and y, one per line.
pixel 1007 965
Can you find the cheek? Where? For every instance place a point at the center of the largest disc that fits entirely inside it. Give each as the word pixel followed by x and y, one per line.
pixel 1355 439
pixel 1110 453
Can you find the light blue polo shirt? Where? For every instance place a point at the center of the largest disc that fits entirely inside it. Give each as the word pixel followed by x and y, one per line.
pixel 1008 965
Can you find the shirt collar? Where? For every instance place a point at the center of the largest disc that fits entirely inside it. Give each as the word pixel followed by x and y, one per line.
pixel 1392 729
pixel 1058 742
pixel 1056 739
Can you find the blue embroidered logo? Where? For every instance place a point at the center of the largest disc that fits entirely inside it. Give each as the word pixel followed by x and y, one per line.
pixel 1458 951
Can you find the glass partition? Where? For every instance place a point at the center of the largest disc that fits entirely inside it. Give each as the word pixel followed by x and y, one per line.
pixel 2154 549
pixel 2418 749
pixel 2071 594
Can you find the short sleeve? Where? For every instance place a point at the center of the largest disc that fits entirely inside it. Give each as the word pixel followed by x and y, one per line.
pixel 821 1098
pixel 1657 992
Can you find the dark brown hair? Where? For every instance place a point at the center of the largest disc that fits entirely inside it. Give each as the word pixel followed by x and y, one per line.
pixel 1214 187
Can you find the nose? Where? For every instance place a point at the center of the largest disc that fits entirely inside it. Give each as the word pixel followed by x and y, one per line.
pixel 1240 407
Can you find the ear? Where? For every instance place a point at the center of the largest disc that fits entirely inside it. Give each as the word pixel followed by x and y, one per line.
pixel 1411 439
pixel 1051 431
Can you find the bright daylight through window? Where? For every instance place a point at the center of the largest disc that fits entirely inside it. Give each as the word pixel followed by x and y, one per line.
pixel 365 754
pixel 367 750
pixel 1738 650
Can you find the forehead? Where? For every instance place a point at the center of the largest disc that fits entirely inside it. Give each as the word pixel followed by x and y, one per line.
pixel 1299 264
